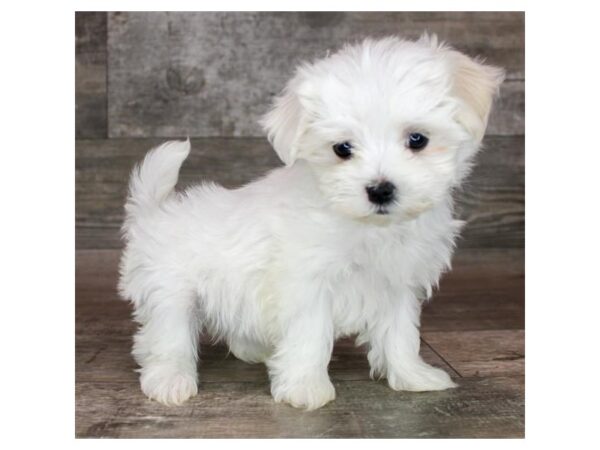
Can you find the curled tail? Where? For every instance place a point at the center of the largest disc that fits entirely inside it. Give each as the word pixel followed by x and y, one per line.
pixel 155 177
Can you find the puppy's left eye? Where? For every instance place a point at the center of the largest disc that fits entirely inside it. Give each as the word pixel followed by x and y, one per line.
pixel 417 141
pixel 343 150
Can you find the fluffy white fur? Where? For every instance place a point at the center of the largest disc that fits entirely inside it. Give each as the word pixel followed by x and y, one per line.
pixel 280 268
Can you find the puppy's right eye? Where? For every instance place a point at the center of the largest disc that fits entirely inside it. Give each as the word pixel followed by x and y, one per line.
pixel 417 141
pixel 343 150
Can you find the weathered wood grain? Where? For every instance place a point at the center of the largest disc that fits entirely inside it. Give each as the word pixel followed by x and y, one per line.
pixel 478 300
pixel 481 407
pixel 481 353
pixel 90 75
pixel 492 202
pixel 492 199
pixel 508 113
pixel 214 73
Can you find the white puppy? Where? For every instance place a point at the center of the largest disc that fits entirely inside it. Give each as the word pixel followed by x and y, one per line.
pixel 348 238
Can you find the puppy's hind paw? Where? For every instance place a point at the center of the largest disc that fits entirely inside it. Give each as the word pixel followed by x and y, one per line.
pixel 167 385
pixel 419 378
pixel 308 394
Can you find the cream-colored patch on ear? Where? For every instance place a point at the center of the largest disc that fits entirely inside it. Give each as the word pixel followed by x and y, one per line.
pixel 476 85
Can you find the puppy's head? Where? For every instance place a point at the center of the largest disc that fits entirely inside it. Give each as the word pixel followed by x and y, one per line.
pixel 388 126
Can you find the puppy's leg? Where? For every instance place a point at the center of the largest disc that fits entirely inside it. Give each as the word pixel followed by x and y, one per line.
pixel 394 349
pixel 298 367
pixel 166 346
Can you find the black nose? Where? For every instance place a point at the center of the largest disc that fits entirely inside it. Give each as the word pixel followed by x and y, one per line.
pixel 381 193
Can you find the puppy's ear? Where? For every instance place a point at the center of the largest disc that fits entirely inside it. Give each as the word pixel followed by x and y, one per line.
pixel 475 85
pixel 286 121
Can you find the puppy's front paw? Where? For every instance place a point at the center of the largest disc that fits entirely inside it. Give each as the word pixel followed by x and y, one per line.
pixel 167 385
pixel 309 393
pixel 419 377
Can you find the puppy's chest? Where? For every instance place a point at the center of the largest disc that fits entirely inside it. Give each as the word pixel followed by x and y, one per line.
pixel 366 268
pixel 366 273
pixel 358 293
pixel 381 269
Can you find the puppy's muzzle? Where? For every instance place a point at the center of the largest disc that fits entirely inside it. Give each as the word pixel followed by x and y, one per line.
pixel 382 193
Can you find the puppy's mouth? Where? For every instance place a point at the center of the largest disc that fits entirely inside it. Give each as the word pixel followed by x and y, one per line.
pixel 382 211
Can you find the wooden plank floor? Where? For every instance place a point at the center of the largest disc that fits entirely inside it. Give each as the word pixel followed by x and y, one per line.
pixel 473 329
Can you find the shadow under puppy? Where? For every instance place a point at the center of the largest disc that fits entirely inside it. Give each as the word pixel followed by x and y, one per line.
pixel 348 238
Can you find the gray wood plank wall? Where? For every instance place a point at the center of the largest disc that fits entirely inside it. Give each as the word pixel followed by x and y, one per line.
pixel 214 73
pixel 90 75
pixel 211 75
